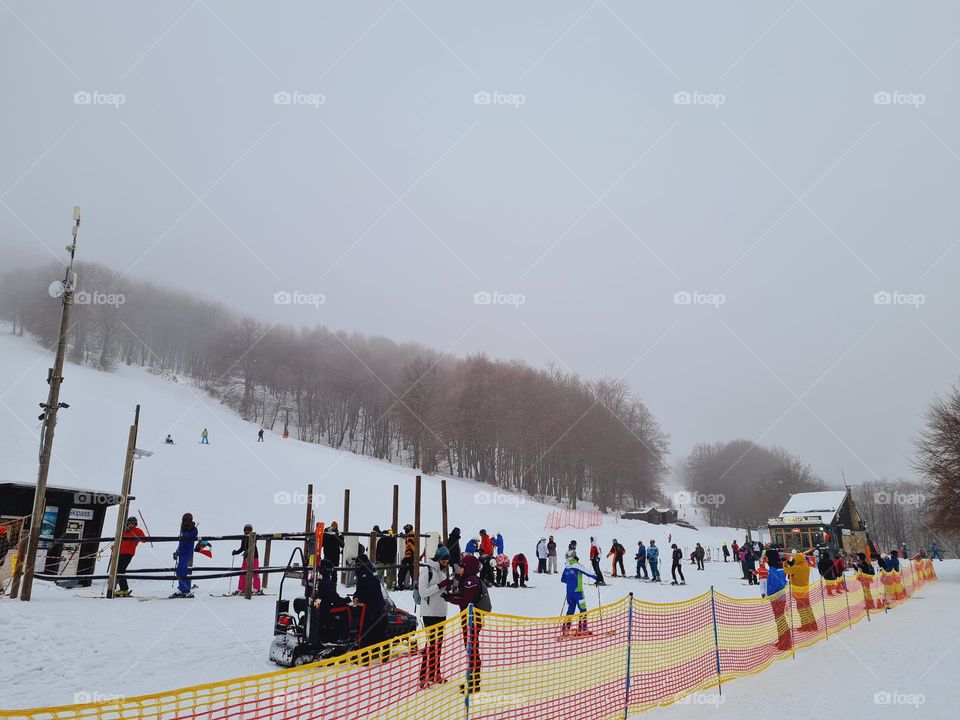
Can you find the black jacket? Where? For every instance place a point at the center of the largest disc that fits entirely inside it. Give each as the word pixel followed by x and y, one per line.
pixel 332 545
pixel 242 550
pixel 387 550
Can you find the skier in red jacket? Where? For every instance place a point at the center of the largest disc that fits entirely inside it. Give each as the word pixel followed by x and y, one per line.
pixel 128 548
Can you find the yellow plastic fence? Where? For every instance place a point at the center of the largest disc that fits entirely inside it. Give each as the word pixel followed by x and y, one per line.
pixel 612 661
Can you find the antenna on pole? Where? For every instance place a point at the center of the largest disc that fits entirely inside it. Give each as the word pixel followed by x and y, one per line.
pixel 48 417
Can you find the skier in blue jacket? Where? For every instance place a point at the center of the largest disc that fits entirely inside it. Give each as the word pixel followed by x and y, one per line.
pixel 498 543
pixel 184 554
pixel 653 559
pixel 572 577
pixel 473 547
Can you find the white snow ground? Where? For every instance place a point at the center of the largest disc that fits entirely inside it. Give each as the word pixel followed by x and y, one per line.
pixel 72 650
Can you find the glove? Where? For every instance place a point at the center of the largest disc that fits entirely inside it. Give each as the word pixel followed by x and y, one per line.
pixel 235 552
pixel 176 554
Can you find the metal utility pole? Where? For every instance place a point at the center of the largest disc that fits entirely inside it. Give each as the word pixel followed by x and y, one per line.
pixel 49 417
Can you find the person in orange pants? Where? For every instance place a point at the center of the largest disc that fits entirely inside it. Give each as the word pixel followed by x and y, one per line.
pixel 617 552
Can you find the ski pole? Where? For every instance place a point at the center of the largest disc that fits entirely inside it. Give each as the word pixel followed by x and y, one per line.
pixel 233 560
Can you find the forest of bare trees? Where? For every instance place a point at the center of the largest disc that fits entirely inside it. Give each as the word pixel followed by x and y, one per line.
pixel 541 431
pixel 742 483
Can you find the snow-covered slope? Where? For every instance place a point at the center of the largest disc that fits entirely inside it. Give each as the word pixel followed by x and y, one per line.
pixel 91 648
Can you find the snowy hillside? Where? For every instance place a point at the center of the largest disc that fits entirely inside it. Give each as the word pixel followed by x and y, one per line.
pixel 97 648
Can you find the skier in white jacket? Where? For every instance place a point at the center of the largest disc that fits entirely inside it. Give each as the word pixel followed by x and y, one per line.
pixel 433 610
pixel 542 554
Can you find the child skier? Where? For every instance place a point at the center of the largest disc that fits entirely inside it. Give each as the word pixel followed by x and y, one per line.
pixel 595 561
pixel 242 552
pixel 184 554
pixel 572 577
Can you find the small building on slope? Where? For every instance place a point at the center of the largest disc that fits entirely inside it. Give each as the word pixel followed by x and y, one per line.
pixel 827 519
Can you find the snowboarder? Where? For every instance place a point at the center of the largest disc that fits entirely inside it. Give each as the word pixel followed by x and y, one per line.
pixel 184 554
pixel 617 552
pixel 503 567
pixel 572 577
pixel 551 555
pixel 595 561
pixel 520 570
pixel 409 558
pixel 653 558
pixel 242 552
pixel 169 440
pixel 471 592
pixel 676 567
pixel 542 554
pixel 433 610
pixel 726 552
pixel 641 558
pixel 204 437
pixel 698 554
pixel 260 435
pixel 128 547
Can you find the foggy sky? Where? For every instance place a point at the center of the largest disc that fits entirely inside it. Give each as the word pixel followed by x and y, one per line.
pixel 787 188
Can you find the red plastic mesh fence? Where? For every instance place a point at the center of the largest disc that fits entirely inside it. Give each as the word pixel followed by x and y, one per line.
pixel 621 658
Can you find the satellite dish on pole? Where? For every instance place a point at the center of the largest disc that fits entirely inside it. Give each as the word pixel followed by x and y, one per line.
pixel 56 289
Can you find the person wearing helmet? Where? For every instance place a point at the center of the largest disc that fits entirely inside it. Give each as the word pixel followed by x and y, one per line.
pixel 405 581
pixel 433 610
pixel 572 577
pixel 184 554
pixel 128 546
pixel 242 552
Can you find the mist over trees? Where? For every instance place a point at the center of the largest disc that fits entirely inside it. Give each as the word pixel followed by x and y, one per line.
pixel 895 511
pixel 938 461
pixel 740 482
pixel 545 432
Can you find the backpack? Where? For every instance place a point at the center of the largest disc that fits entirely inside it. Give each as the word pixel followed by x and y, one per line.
pixel 416 590
pixel 483 602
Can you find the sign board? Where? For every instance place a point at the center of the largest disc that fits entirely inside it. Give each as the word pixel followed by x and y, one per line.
pixel 80 514
pixel 797 520
pixel 431 543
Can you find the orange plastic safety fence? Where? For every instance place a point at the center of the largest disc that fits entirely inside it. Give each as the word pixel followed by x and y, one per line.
pixel 621 658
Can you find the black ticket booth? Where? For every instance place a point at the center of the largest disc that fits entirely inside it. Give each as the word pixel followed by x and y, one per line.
pixel 71 518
